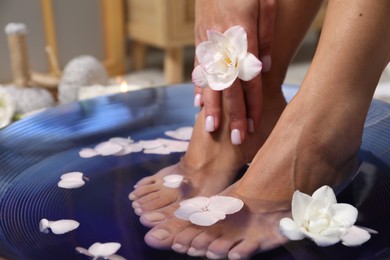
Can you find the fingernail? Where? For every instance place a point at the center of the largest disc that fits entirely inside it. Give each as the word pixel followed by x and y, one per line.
pixel 194 252
pixel 212 255
pixel 197 99
pixel 236 136
pixel 178 248
pixel 154 217
pixel 266 61
pixel 251 125
pixel 160 234
pixel 209 126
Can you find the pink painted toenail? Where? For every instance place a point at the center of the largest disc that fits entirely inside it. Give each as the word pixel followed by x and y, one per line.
pixel 138 211
pixel 178 248
pixel 212 255
pixel 154 217
pixel 135 205
pixel 132 196
pixel 234 256
pixel 160 234
pixel 194 252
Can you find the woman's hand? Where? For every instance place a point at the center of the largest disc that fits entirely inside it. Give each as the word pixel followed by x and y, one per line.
pixel 243 100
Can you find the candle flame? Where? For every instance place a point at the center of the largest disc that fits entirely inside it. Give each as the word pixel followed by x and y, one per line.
pixel 124 87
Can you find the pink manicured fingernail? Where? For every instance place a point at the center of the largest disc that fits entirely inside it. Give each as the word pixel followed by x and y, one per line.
pixel 209 126
pixel 197 99
pixel 251 125
pixel 160 234
pixel 266 61
pixel 236 137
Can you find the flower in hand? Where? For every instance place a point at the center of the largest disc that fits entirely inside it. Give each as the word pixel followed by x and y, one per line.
pixel 223 58
pixel 320 218
pixel 205 211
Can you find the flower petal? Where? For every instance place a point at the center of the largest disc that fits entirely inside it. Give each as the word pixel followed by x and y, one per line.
pixel 249 68
pixel 325 193
pixel 221 82
pixel 226 204
pixel 108 148
pixel 173 180
pixel 355 236
pixel 322 240
pixel 198 77
pixel 88 153
pixel 344 214
pixel 44 225
pixel 238 38
pixel 63 226
pixel 182 133
pixel 206 218
pixel 104 250
pixel 290 229
pixel 217 37
pixel 71 180
pixel 299 204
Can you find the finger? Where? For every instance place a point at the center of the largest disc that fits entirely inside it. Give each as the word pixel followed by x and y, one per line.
pixel 234 107
pixel 267 15
pixel 253 100
pixel 212 109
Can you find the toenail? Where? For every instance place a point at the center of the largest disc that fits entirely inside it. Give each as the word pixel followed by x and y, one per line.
pixel 212 255
pixel 234 256
pixel 195 252
pixel 178 248
pixel 160 234
pixel 154 216
pixel 132 196
pixel 236 137
pixel 210 127
pixel 135 205
pixel 138 211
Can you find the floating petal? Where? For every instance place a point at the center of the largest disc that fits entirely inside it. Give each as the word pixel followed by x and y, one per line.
pixel 108 148
pixel 206 218
pixel 71 180
pixel 182 133
pixel 88 153
pixel 226 204
pixel 58 227
pixel 173 180
pixel 104 250
pixel 121 140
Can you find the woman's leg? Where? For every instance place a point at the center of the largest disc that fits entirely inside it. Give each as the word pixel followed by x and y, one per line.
pixel 314 142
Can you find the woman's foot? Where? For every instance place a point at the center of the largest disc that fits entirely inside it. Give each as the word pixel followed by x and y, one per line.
pixel 209 166
pixel 299 154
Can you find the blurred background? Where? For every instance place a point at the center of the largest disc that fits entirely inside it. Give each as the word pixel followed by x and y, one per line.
pixel 147 43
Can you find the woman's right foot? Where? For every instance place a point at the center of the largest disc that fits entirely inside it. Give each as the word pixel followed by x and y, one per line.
pixel 210 164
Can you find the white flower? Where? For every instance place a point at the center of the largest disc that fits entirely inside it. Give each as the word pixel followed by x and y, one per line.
pixel 7 107
pixel 173 180
pixel 205 211
pixel 320 218
pixel 117 146
pixel 223 58
pixel 101 250
pixel 58 227
pixel 72 180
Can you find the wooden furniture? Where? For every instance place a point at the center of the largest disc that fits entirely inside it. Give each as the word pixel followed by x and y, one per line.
pixel 165 24
pixel 113 17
